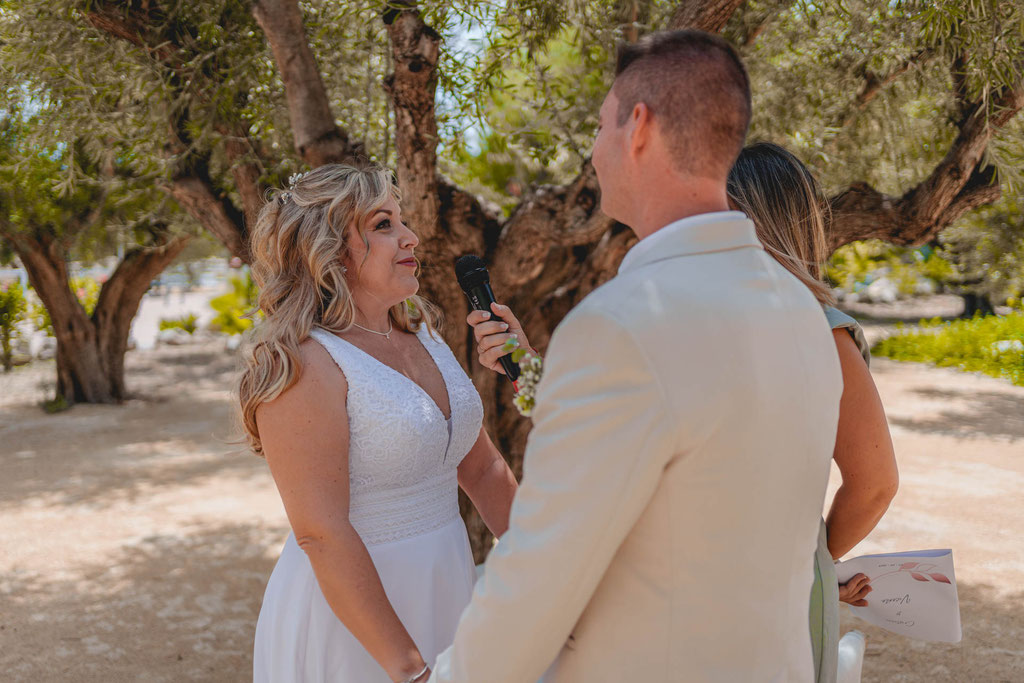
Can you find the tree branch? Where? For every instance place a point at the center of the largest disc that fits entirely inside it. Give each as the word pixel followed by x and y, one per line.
pixel 959 183
pixel 192 186
pixel 958 72
pixel 707 15
pixel 120 296
pixel 756 22
pixel 412 88
pixel 246 171
pixel 44 259
pixel 754 33
pixel 194 190
pixel 121 293
pixel 318 139
pixel 873 84
pixel 134 24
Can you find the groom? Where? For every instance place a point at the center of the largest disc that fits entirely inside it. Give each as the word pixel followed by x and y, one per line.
pixel 674 479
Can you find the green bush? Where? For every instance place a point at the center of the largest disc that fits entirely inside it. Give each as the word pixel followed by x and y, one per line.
pixel 235 310
pixel 12 311
pixel 991 344
pixel 858 264
pixel 187 323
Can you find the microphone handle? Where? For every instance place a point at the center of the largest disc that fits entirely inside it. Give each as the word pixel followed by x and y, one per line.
pixel 480 298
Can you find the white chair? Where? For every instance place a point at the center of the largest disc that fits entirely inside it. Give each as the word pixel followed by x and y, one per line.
pixel 851 657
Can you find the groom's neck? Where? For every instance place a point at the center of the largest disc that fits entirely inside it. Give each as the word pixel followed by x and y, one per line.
pixel 672 199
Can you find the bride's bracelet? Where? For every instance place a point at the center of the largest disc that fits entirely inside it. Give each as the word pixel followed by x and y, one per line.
pixel 413 679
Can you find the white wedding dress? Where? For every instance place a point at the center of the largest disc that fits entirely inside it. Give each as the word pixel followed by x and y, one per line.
pixel 403 455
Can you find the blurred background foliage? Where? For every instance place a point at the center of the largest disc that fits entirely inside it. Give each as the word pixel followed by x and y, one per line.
pixel 520 85
pixel 96 128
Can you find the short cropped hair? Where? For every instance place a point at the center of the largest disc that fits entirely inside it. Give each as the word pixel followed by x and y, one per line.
pixel 698 91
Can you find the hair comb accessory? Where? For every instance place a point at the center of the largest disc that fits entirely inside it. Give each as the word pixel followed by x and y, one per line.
pixel 293 179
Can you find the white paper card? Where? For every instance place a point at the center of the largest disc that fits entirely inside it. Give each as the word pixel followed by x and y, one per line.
pixel 914 593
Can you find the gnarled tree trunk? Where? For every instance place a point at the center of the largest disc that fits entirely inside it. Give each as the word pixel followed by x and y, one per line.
pixel 90 349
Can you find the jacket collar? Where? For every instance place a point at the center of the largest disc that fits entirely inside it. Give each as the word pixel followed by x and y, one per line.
pixel 700 234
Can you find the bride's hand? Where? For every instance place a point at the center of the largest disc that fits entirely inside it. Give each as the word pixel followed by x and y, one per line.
pixel 854 591
pixel 491 335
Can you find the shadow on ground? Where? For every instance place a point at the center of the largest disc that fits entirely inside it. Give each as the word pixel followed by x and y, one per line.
pixel 992 645
pixel 104 454
pixel 149 451
pixel 184 607
pixel 178 607
pixel 982 414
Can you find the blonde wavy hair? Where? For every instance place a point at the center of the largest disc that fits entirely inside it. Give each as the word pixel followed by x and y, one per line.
pixel 297 245
pixel 789 210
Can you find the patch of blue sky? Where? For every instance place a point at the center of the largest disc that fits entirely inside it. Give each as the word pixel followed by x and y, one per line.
pixel 466 44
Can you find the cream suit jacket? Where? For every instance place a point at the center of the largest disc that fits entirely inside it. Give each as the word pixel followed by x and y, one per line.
pixel 673 483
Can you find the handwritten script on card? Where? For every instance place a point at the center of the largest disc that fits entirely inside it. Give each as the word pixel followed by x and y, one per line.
pixel 914 593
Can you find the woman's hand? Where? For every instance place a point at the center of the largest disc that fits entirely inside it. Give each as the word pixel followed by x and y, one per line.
pixel 491 335
pixel 855 590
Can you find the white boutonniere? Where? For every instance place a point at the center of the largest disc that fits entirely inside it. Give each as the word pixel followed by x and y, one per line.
pixel 531 367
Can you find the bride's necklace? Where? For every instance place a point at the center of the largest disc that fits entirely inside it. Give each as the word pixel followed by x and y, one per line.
pixel 386 335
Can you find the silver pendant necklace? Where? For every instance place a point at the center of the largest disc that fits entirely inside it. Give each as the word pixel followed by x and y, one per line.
pixel 386 335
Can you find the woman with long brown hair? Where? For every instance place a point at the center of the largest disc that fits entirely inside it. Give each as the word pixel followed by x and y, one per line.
pixel 369 426
pixel 790 214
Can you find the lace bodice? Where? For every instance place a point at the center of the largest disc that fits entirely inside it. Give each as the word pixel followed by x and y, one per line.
pixel 403 454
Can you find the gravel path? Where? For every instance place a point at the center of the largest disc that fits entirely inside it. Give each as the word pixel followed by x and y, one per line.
pixel 137 539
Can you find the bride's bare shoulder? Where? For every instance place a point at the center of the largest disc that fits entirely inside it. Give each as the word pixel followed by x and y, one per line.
pixel 318 384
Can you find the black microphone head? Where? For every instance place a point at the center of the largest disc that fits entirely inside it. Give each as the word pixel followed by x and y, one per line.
pixel 471 271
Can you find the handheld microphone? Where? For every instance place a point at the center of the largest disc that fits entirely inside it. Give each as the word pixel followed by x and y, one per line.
pixel 476 283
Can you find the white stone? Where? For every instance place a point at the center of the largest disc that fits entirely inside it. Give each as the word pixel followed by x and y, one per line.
pixel 42 346
pixel 1007 345
pixel 925 287
pixel 882 290
pixel 173 337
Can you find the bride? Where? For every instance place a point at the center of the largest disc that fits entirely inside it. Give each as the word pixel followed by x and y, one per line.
pixel 369 425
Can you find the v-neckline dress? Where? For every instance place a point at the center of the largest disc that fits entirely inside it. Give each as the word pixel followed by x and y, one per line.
pixel 404 504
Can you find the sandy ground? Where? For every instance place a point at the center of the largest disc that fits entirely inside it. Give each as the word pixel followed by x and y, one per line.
pixel 136 540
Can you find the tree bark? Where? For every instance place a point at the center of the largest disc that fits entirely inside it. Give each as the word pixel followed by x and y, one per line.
pixel 412 86
pixel 705 15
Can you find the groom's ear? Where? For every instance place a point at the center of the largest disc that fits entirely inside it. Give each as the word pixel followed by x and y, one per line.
pixel 641 129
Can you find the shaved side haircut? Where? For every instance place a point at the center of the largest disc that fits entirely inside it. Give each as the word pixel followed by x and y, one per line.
pixel 698 91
